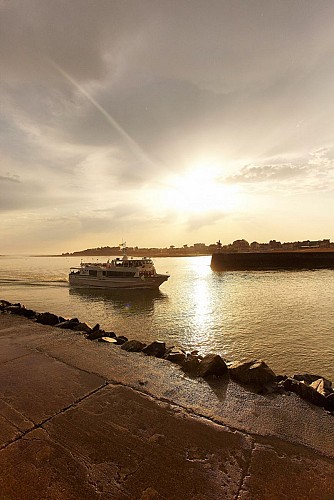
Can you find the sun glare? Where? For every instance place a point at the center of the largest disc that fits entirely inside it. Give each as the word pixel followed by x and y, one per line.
pixel 198 190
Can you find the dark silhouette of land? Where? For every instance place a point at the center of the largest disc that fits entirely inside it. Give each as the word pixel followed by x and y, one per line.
pixel 198 249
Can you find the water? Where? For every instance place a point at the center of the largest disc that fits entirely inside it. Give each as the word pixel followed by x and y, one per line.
pixel 285 318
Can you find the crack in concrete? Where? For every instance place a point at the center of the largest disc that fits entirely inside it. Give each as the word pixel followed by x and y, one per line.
pixel 246 472
pixel 55 358
pixel 25 419
pixel 63 410
pixel 251 436
pixel 17 357
pixel 172 404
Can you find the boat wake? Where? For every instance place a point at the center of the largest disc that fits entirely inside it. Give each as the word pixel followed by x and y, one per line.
pixel 27 282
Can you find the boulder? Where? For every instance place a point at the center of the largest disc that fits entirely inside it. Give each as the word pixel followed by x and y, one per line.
pixel 82 327
pixel 212 364
pixel 4 303
pixel 110 334
pixel 305 391
pixel 121 340
pixel 96 334
pixel 319 386
pixel 15 309
pixel 110 340
pixel 190 365
pixel 68 324
pixel 47 318
pixel 29 313
pixel 156 348
pixel 175 356
pixel 133 346
pixel 11 308
pixel 96 328
pixel 329 405
pixel 252 372
pixel 310 379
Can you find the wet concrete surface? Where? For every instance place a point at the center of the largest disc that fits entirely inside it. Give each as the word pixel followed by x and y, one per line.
pixel 82 419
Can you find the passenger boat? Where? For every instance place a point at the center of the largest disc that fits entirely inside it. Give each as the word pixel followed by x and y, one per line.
pixel 117 273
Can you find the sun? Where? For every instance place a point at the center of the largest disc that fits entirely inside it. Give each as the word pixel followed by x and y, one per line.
pixel 198 190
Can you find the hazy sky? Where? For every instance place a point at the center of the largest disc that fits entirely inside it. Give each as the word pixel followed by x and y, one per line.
pixel 165 122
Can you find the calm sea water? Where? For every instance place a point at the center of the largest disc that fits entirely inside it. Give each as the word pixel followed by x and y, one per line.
pixel 285 318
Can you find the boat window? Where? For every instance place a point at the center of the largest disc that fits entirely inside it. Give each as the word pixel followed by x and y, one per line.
pixel 120 274
pixel 92 273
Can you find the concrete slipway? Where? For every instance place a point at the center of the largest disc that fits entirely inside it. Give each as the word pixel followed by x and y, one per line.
pixel 86 420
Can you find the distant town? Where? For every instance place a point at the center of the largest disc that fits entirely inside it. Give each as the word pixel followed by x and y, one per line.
pixel 203 249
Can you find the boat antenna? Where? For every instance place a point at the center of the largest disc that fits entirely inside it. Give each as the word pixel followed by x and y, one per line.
pixel 124 249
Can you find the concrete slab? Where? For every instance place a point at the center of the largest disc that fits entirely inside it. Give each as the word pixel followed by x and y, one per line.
pixel 35 468
pixel 9 350
pixel 12 424
pixel 132 443
pixel 282 470
pixel 285 416
pixel 8 432
pixel 38 386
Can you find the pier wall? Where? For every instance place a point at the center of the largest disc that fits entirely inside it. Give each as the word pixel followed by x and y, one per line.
pixel 226 261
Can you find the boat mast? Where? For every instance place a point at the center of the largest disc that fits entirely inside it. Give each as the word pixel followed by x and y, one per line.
pixel 123 247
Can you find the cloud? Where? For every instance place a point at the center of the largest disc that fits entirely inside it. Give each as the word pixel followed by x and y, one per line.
pixel 265 173
pixel 199 221
pixel 9 178
pixel 101 102
pixel 317 173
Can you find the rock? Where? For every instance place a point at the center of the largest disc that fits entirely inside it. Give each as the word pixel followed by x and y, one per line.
pixel 156 348
pixel 68 324
pixel 212 364
pixel 4 303
pixel 190 365
pixel 29 313
pixel 175 356
pixel 121 340
pixel 309 379
pixel 304 391
pixel 47 318
pixel 110 334
pixel 18 309
pixel 110 340
pixel 319 386
pixel 133 346
pixel 252 372
pixel 82 327
pixel 329 404
pixel 96 328
pixel 96 334
pixel 15 309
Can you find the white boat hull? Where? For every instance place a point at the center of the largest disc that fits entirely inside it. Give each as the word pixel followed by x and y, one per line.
pixel 114 282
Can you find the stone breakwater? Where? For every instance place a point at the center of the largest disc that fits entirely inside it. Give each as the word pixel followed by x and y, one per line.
pixel 254 374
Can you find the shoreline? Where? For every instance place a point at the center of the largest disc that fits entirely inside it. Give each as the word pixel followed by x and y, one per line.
pixel 254 374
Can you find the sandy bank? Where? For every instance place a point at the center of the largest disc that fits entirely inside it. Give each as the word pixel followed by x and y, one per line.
pixel 83 419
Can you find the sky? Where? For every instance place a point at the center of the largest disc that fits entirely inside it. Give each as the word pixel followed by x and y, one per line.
pixel 165 122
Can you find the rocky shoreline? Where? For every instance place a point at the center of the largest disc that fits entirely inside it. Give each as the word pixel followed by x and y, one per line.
pixel 256 375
